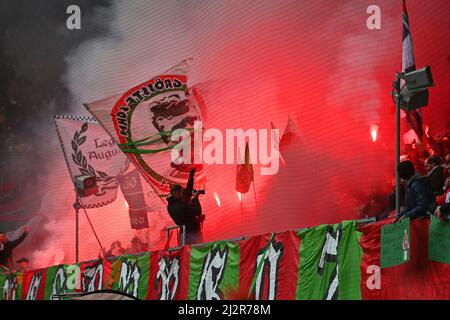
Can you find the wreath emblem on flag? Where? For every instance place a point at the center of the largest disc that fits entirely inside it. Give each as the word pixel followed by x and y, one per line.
pixel 85 168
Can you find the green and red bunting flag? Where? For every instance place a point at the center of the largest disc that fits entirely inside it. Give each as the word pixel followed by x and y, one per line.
pixel 330 259
pixel 323 262
pixel 33 285
pixel 420 278
pixel 90 152
pixel 213 271
pixel 143 119
pixel 130 275
pixel 268 267
pixel 244 173
pixel 131 187
pixel 60 280
pixel 94 275
pixel 169 275
pixel 11 286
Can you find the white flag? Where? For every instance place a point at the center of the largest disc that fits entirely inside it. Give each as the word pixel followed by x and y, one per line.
pixel 90 151
pixel 142 120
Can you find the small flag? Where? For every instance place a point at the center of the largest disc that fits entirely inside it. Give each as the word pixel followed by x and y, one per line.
pixel 290 134
pixel 244 173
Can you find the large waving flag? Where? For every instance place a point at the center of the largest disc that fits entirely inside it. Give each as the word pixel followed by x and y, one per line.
pixel 244 173
pixel 89 151
pixel 143 119
pixel 413 117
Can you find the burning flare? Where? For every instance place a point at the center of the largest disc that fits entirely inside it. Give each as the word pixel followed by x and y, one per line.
pixel 239 196
pixel 216 196
pixel 374 132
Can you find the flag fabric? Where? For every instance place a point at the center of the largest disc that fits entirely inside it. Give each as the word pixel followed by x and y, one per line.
pixel 413 117
pixel 56 282
pixel 271 265
pixel 133 274
pixel 213 271
pixel 336 261
pixel 90 152
pixel 395 241
pixel 290 134
pixel 131 187
pixel 330 260
pixel 11 286
pixel 143 119
pixel 438 243
pixel 33 285
pixel 169 274
pixel 244 173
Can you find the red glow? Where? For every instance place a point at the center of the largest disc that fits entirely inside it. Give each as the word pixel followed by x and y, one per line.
pixel 239 196
pixel 374 132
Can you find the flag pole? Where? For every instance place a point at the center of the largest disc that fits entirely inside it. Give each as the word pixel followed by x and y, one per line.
pixel 76 206
pixel 242 211
pixel 254 193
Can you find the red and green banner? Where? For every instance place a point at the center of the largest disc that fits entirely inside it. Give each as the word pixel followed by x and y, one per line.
pixel 330 262
pixel 270 263
pixel 169 275
pixel 214 271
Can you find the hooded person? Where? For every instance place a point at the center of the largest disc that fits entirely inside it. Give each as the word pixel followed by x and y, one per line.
pixel 418 194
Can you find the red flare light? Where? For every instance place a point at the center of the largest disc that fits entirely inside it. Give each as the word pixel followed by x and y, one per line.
pixel 216 196
pixel 374 132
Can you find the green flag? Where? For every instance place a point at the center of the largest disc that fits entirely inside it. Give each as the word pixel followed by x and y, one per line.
pixel 395 240
pixel 214 270
pixel 330 259
pixel 11 286
pixel 60 280
pixel 439 241
pixel 133 275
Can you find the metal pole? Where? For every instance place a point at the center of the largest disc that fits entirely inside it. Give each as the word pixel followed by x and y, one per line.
pixel 76 205
pixel 397 143
pixel 254 193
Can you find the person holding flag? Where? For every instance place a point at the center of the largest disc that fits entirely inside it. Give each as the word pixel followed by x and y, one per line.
pixel 6 249
pixel 185 209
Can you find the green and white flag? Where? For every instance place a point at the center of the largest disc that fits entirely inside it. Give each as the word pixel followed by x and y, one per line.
pixel 330 260
pixel 395 244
